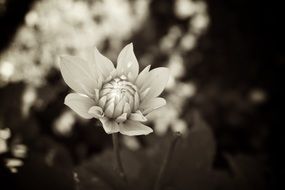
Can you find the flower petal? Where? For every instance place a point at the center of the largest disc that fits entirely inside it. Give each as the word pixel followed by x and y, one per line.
pixel 151 105
pixel 122 118
pixel 78 75
pixel 104 65
pixel 119 108
pixel 96 96
pixel 80 104
pixel 142 77
pixel 156 81
pixel 109 111
pixel 102 101
pixel 137 116
pixel 127 63
pixel 96 112
pixel 136 101
pixel 144 93
pixel 127 108
pixel 133 128
pixel 109 126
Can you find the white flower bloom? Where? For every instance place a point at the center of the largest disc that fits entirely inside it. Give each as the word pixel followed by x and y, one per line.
pixel 119 97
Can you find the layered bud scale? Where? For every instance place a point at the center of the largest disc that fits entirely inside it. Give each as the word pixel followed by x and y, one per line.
pixel 118 96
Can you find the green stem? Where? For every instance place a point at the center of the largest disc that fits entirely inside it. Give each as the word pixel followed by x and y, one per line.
pixel 119 165
pixel 158 183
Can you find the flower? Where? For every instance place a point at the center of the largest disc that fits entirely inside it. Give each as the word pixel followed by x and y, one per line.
pixel 119 97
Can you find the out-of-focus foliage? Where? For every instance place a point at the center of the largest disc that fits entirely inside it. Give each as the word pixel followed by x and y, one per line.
pixel 190 167
pixel 218 95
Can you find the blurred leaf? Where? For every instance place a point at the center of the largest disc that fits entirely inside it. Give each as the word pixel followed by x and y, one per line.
pixel 190 166
pixel 89 180
pixel 192 161
pixel 99 173
pixel 244 172
pixel 248 172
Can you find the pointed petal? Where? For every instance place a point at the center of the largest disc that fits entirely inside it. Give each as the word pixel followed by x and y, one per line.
pixel 136 101
pixel 156 81
pixel 151 105
pixel 133 128
pixel 127 108
pixel 99 81
pixel 78 75
pixel 109 110
pixel 96 96
pixel 144 93
pixel 96 112
pixel 119 108
pixel 142 77
pixel 131 103
pixel 137 116
pixel 127 63
pixel 122 118
pixel 104 65
pixel 80 104
pixel 102 101
pixel 109 125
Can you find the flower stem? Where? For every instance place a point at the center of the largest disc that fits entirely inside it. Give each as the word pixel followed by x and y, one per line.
pixel 119 166
pixel 166 161
pixel 76 180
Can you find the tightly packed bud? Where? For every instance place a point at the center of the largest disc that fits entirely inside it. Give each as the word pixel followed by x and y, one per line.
pixel 118 96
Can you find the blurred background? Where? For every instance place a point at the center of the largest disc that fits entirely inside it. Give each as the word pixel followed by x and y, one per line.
pixel 223 94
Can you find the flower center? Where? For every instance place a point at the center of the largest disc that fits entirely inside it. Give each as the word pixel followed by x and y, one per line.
pixel 118 96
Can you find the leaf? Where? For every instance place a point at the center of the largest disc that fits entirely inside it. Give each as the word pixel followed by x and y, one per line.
pixel 191 166
pixel 248 172
pixel 99 172
pixel 88 180
pixel 244 172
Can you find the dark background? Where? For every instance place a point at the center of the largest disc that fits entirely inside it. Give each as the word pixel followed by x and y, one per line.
pixel 240 51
